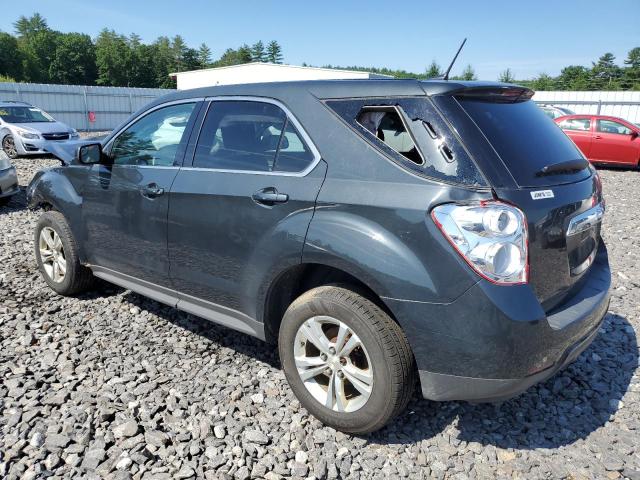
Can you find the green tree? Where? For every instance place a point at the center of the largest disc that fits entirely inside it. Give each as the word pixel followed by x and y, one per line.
pixel 26 27
pixel 257 52
pixel 468 73
pixel 543 82
pixel 164 62
pixel 142 72
pixel 506 76
pixel 204 55
pixel 234 57
pixel 573 77
pixel 74 60
pixel 433 70
pixel 113 59
pixel 10 56
pixel 631 76
pixel 274 52
pixel 605 73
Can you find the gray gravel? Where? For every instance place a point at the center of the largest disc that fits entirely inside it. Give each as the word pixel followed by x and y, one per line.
pixel 113 385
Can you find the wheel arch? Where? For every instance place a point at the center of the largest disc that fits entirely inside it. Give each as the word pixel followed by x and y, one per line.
pixel 301 278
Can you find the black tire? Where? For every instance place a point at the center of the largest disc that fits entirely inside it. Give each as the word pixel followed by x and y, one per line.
pixel 9 147
pixel 77 278
pixel 386 345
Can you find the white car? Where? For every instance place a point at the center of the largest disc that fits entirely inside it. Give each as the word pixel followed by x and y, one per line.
pixel 8 179
pixel 28 130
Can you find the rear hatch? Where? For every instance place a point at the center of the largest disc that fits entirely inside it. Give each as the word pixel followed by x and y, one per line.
pixel 532 164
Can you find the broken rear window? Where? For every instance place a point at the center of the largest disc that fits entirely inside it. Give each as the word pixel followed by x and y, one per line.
pixel 411 132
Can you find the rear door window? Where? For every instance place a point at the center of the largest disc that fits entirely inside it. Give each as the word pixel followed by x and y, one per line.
pixel 524 139
pixel 254 136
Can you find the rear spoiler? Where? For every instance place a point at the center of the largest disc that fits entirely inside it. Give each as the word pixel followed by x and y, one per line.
pixel 496 94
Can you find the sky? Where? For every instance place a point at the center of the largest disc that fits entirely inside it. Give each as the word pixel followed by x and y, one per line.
pixel 527 37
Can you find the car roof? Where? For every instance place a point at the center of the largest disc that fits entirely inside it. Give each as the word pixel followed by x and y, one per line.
pixel 11 103
pixel 326 89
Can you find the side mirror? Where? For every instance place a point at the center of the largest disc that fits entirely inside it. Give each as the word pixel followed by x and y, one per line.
pixel 634 134
pixel 90 154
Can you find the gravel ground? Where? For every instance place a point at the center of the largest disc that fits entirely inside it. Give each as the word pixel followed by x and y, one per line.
pixel 113 385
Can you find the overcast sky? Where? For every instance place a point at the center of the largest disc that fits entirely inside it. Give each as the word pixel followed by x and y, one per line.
pixel 528 37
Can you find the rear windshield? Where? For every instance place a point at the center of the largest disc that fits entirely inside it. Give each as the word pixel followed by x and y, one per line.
pixel 525 139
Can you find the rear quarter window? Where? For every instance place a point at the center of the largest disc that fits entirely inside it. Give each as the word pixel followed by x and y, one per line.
pixel 412 133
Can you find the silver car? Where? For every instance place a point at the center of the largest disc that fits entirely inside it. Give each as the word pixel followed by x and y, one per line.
pixel 28 130
pixel 8 179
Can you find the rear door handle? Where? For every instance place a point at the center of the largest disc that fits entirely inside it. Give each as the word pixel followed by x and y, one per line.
pixel 152 190
pixel 598 137
pixel 269 196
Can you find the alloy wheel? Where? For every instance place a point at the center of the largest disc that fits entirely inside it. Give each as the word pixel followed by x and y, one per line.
pixel 9 147
pixel 52 254
pixel 333 364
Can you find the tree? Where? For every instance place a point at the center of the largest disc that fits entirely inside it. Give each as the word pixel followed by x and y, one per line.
pixel 204 55
pixel 573 77
pixel 433 70
pixel 113 59
pixel 37 50
pixel 74 60
pixel 506 76
pixel 631 76
pixel 543 82
pixel 26 27
pixel 605 73
pixel 234 57
pixel 468 73
pixel 257 52
pixel 10 57
pixel 274 52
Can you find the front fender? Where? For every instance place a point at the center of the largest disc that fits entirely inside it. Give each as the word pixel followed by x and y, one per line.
pixel 59 188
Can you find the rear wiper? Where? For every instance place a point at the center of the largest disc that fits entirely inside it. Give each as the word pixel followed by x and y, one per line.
pixel 568 166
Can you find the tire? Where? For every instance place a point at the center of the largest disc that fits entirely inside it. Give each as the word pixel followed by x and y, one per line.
pixel 4 201
pixel 383 359
pixel 9 147
pixel 76 278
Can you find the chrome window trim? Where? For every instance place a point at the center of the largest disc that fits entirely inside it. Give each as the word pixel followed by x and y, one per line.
pixel 109 144
pixel 248 98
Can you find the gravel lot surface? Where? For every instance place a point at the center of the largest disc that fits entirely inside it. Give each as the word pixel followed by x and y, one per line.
pixel 113 385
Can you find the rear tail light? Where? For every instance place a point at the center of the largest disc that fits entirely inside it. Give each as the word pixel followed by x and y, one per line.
pixel 490 236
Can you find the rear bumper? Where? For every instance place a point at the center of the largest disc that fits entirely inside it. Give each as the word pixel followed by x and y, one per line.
pixel 494 342
pixel 8 182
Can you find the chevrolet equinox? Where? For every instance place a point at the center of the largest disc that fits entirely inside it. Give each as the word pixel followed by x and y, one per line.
pixel 379 232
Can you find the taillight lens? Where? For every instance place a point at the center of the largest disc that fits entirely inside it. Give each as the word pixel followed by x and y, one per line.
pixel 490 236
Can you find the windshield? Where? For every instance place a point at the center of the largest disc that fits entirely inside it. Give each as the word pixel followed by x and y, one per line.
pixel 15 114
pixel 524 137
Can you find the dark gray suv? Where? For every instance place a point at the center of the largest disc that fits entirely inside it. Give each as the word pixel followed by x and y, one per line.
pixel 379 232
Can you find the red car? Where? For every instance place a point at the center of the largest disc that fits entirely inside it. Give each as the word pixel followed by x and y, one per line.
pixel 603 139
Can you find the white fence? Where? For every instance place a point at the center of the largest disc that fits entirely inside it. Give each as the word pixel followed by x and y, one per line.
pixel 83 107
pixel 617 104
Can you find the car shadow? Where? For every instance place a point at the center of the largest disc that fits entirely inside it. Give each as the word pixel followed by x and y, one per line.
pixel 17 202
pixel 222 336
pixel 569 406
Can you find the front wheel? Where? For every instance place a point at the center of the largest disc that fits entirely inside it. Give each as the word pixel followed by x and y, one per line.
pixel 347 362
pixel 9 147
pixel 57 256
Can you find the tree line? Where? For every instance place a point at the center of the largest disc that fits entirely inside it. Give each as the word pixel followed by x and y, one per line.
pixel 37 53
pixel 40 54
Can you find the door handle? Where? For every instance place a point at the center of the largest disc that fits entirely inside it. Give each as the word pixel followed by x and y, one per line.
pixel 598 137
pixel 269 196
pixel 152 190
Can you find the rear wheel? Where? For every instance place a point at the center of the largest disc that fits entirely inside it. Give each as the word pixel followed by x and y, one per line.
pixel 57 256
pixel 347 362
pixel 9 146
